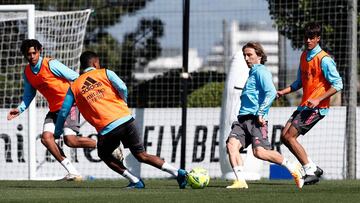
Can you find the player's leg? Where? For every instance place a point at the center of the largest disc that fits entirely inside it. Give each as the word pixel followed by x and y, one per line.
pixel 74 141
pixel 262 150
pixel 130 138
pixel 234 143
pixel 106 146
pixel 289 138
pixel 71 129
pixel 300 123
pixel 48 140
pixel 275 157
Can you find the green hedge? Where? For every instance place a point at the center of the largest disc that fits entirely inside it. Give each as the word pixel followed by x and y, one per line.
pixel 209 95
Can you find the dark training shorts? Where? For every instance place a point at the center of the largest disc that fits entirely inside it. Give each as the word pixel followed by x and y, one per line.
pixel 248 131
pixel 72 121
pixel 304 120
pixel 126 133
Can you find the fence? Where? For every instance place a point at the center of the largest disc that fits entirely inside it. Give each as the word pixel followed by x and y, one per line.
pixel 142 41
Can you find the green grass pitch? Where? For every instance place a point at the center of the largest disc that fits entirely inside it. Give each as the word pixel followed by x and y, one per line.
pixel 166 190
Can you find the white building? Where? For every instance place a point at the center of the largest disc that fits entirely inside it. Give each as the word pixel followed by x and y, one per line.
pixel 170 59
pixel 266 35
pixel 237 36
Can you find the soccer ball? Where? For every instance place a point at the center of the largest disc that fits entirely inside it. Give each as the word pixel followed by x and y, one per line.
pixel 198 178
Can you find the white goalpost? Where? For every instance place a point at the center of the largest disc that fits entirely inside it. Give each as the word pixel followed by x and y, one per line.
pixel 62 35
pixel 30 15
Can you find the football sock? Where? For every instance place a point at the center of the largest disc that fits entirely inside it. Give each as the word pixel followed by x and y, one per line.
pixel 130 177
pixel 169 168
pixel 309 169
pixel 285 163
pixel 313 165
pixel 238 170
pixel 69 167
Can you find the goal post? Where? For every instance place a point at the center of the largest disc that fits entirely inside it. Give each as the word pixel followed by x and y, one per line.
pixel 30 14
pixel 62 35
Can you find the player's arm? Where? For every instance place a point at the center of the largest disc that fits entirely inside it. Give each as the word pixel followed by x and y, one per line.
pixel 328 67
pixel 61 70
pixel 28 96
pixel 63 113
pixel 118 84
pixel 266 86
pixel 296 85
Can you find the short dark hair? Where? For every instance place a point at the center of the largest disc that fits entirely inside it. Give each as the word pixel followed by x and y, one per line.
pixel 311 30
pixel 85 59
pixel 259 50
pixel 28 43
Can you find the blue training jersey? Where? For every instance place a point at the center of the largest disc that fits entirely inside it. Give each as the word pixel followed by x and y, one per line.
pixel 259 92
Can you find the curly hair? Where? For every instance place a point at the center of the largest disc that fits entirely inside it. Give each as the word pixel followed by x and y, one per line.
pixel 28 43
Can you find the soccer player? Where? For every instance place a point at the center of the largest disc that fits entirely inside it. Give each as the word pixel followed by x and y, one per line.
pixel 318 77
pixel 251 125
pixel 52 79
pixel 101 97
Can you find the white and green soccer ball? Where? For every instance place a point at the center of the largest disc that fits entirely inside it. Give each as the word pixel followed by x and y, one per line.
pixel 198 178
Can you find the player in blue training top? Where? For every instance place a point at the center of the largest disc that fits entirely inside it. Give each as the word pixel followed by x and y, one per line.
pixel 319 79
pixel 251 125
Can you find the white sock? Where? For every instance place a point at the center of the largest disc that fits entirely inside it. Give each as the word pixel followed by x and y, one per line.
pixel 132 178
pixel 69 167
pixel 286 164
pixel 309 168
pixel 238 170
pixel 313 165
pixel 169 168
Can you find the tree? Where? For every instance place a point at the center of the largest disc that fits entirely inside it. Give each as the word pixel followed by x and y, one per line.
pixel 291 16
pixel 139 47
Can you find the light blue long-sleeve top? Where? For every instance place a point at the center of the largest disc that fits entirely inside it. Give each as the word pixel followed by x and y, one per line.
pixel 116 82
pixel 56 67
pixel 259 92
pixel 328 67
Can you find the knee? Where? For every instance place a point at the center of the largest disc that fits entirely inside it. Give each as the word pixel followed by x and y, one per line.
pixel 141 157
pixel 102 154
pixel 286 138
pixel 47 138
pixel 233 146
pixel 259 152
pixel 70 141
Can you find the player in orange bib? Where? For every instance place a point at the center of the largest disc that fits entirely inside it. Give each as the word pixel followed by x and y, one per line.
pixel 319 79
pixel 101 98
pixel 52 79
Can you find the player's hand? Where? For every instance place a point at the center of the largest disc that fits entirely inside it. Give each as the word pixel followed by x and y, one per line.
pixel 312 103
pixel 13 113
pixel 279 94
pixel 261 121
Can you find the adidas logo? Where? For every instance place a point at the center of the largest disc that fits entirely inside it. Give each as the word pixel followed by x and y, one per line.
pixel 89 84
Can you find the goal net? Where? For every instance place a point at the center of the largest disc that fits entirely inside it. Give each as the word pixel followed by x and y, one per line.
pixel 62 35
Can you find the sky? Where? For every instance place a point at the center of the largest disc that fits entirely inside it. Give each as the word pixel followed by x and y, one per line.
pixel 206 17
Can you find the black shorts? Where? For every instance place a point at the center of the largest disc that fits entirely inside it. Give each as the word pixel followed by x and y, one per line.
pixel 248 131
pixel 72 121
pixel 126 133
pixel 304 120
